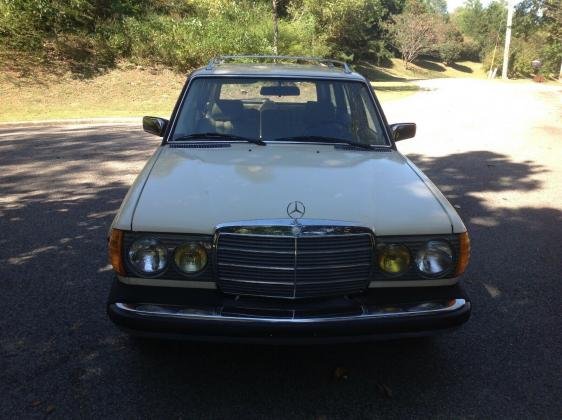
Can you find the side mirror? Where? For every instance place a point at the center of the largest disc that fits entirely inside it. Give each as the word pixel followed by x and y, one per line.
pixel 403 131
pixel 154 125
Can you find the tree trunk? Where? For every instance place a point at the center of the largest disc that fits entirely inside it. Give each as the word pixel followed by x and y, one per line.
pixel 275 27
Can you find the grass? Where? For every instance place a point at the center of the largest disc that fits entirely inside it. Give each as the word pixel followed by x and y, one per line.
pixel 390 91
pixel 395 81
pixel 134 91
pixel 123 92
pixel 426 69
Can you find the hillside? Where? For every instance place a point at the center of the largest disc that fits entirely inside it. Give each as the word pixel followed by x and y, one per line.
pixel 130 90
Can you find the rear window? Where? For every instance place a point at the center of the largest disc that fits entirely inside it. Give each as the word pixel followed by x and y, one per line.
pixel 253 90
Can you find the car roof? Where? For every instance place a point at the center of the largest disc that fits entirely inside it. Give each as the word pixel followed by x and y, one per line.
pixel 312 71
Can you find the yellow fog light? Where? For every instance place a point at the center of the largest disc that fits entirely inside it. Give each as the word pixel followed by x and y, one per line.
pixel 190 258
pixel 393 258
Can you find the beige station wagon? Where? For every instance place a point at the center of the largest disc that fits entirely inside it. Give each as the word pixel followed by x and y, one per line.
pixel 278 209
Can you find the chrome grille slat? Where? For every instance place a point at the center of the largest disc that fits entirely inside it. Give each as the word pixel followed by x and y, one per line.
pixel 294 265
pixel 335 267
pixel 255 281
pixel 255 251
pixel 285 276
pixel 269 267
pixel 335 251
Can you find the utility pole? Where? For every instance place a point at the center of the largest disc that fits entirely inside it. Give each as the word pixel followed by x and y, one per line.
pixel 275 27
pixel 510 7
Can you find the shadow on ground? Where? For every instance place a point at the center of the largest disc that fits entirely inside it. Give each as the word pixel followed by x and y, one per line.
pixel 376 74
pixel 461 67
pixel 59 190
pixel 65 57
pixel 430 65
pixel 401 88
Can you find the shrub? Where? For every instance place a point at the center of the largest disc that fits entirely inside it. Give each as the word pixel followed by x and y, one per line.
pixel 189 42
pixel 470 50
pixel 450 51
pixel 450 42
pixel 350 29
pixel 298 36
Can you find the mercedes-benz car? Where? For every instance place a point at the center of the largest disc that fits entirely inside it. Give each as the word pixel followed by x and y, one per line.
pixel 278 209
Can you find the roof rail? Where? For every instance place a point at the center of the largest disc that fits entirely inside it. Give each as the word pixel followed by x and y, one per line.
pixel 215 61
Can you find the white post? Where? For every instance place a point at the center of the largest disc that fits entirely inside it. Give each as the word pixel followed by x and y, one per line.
pixel 507 39
pixel 275 27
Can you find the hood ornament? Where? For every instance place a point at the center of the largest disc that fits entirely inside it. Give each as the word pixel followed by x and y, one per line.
pixel 296 210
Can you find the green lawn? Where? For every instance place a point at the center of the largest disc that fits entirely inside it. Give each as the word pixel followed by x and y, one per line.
pixel 122 92
pixel 396 82
pixel 133 91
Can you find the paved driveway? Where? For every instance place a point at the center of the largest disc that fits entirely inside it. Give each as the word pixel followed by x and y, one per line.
pixel 495 150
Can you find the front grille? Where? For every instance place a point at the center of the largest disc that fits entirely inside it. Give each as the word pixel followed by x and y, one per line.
pixel 294 265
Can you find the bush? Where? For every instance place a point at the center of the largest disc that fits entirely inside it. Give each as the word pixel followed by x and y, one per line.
pixel 350 29
pixel 470 50
pixel 93 34
pixel 450 42
pixel 298 36
pixel 450 51
pixel 498 60
pixel 525 51
pixel 188 42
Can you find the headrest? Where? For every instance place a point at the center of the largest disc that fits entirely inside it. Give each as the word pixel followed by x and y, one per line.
pixel 226 110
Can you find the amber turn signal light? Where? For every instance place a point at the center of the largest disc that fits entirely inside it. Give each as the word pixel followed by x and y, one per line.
pixel 115 247
pixel 464 253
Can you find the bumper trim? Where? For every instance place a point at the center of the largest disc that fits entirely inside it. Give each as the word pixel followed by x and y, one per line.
pixel 438 307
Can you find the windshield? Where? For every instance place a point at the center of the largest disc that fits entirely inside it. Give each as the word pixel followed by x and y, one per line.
pixel 280 109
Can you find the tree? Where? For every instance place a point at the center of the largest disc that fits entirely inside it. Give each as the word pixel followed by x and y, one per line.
pixel 436 6
pixel 450 42
pixel 353 29
pixel 537 27
pixel 414 33
pixel 483 25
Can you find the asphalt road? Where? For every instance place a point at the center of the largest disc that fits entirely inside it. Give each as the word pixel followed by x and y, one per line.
pixel 494 149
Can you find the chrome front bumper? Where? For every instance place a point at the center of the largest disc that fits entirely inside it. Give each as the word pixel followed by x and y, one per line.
pixel 339 319
pixel 373 312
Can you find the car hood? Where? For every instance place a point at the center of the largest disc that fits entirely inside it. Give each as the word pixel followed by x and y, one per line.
pixel 192 190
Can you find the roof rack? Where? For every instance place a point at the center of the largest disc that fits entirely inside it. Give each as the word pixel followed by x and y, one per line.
pixel 221 59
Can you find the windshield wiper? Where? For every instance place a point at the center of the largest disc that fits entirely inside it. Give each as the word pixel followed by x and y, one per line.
pixel 220 136
pixel 326 139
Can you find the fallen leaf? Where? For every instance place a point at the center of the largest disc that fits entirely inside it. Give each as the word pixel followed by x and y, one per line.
pixel 50 409
pixel 35 403
pixel 385 390
pixel 341 373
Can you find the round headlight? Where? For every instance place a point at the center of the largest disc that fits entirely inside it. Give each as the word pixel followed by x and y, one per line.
pixel 148 256
pixel 190 258
pixel 434 258
pixel 393 258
